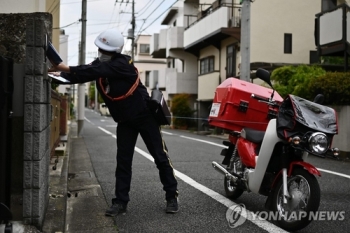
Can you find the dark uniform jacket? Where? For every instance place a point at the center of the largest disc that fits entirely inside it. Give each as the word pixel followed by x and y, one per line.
pixel 118 75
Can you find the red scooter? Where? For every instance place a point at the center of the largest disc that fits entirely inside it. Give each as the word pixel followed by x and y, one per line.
pixel 271 159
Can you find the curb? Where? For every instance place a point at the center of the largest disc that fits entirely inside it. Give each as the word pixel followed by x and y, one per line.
pixel 55 216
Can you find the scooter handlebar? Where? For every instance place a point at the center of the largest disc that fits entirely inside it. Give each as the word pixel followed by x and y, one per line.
pixel 265 100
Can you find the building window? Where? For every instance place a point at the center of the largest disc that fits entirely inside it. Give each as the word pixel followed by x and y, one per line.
pixel 287 43
pixel 207 65
pixel 147 78
pixel 231 61
pixel 144 48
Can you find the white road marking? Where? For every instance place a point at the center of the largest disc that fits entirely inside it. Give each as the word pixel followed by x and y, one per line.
pixel 334 173
pixel 106 131
pixel 219 198
pixel 208 142
pixel 164 132
pixel 216 196
pixel 219 145
pixel 88 121
pixel 321 169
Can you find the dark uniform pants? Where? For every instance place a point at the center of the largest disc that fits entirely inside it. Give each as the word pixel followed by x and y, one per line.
pixel 127 133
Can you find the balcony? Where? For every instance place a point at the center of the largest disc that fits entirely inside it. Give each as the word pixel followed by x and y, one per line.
pixel 211 28
pixel 180 82
pixel 153 80
pixel 175 38
pixel 161 79
pixel 158 44
pixel 207 84
pixel 157 79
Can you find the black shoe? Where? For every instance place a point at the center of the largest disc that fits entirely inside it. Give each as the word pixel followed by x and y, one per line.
pixel 172 206
pixel 116 209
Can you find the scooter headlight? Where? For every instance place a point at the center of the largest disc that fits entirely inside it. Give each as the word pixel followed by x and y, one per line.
pixel 318 143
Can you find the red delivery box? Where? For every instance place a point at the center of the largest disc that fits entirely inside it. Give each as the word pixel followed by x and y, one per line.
pixel 233 107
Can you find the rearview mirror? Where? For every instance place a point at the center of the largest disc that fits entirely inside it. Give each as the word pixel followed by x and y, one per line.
pixel 264 75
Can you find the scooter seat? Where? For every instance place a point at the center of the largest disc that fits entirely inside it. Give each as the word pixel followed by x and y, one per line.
pixel 253 135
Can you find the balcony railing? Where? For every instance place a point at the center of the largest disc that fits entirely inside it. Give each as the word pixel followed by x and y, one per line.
pixel 233 10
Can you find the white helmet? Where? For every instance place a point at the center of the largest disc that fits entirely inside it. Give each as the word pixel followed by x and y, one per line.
pixel 110 40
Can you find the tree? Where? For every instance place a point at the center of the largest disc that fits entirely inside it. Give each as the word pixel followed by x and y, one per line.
pixel 295 79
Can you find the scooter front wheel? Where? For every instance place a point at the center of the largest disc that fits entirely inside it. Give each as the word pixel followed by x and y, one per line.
pixel 232 190
pixel 304 192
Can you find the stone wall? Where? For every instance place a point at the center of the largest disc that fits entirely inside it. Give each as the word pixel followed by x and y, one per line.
pixel 23 38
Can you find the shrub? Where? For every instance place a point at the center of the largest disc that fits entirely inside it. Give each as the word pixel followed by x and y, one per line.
pixel 181 110
pixel 335 86
pixel 295 79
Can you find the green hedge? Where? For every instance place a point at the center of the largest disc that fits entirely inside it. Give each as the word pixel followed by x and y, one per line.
pixel 335 86
pixel 308 81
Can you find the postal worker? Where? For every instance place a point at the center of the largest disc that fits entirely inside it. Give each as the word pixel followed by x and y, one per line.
pixel 126 97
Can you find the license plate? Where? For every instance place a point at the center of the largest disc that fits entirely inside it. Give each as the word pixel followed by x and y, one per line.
pixel 214 111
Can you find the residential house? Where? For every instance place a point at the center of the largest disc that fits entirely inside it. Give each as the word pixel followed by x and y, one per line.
pixel 147 66
pixel 181 72
pixel 280 32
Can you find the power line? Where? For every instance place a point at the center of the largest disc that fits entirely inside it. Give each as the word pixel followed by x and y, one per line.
pixel 152 13
pixel 148 4
pixel 78 21
pixel 112 12
pixel 159 16
pixel 120 23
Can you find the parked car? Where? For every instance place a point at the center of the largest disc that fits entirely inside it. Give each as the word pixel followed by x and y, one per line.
pixel 104 110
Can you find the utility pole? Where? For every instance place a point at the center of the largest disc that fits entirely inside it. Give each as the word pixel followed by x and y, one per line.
pixel 131 32
pixel 81 87
pixel 245 41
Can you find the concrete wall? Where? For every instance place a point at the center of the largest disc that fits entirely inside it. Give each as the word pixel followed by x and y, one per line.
pixel 22 38
pixel 341 140
pixel 29 6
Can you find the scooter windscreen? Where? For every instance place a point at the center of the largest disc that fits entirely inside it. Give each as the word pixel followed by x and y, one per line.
pixel 298 114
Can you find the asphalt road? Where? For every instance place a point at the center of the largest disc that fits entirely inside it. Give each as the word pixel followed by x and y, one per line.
pixel 203 205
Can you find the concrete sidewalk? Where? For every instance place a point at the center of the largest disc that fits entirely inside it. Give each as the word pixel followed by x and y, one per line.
pixel 77 203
